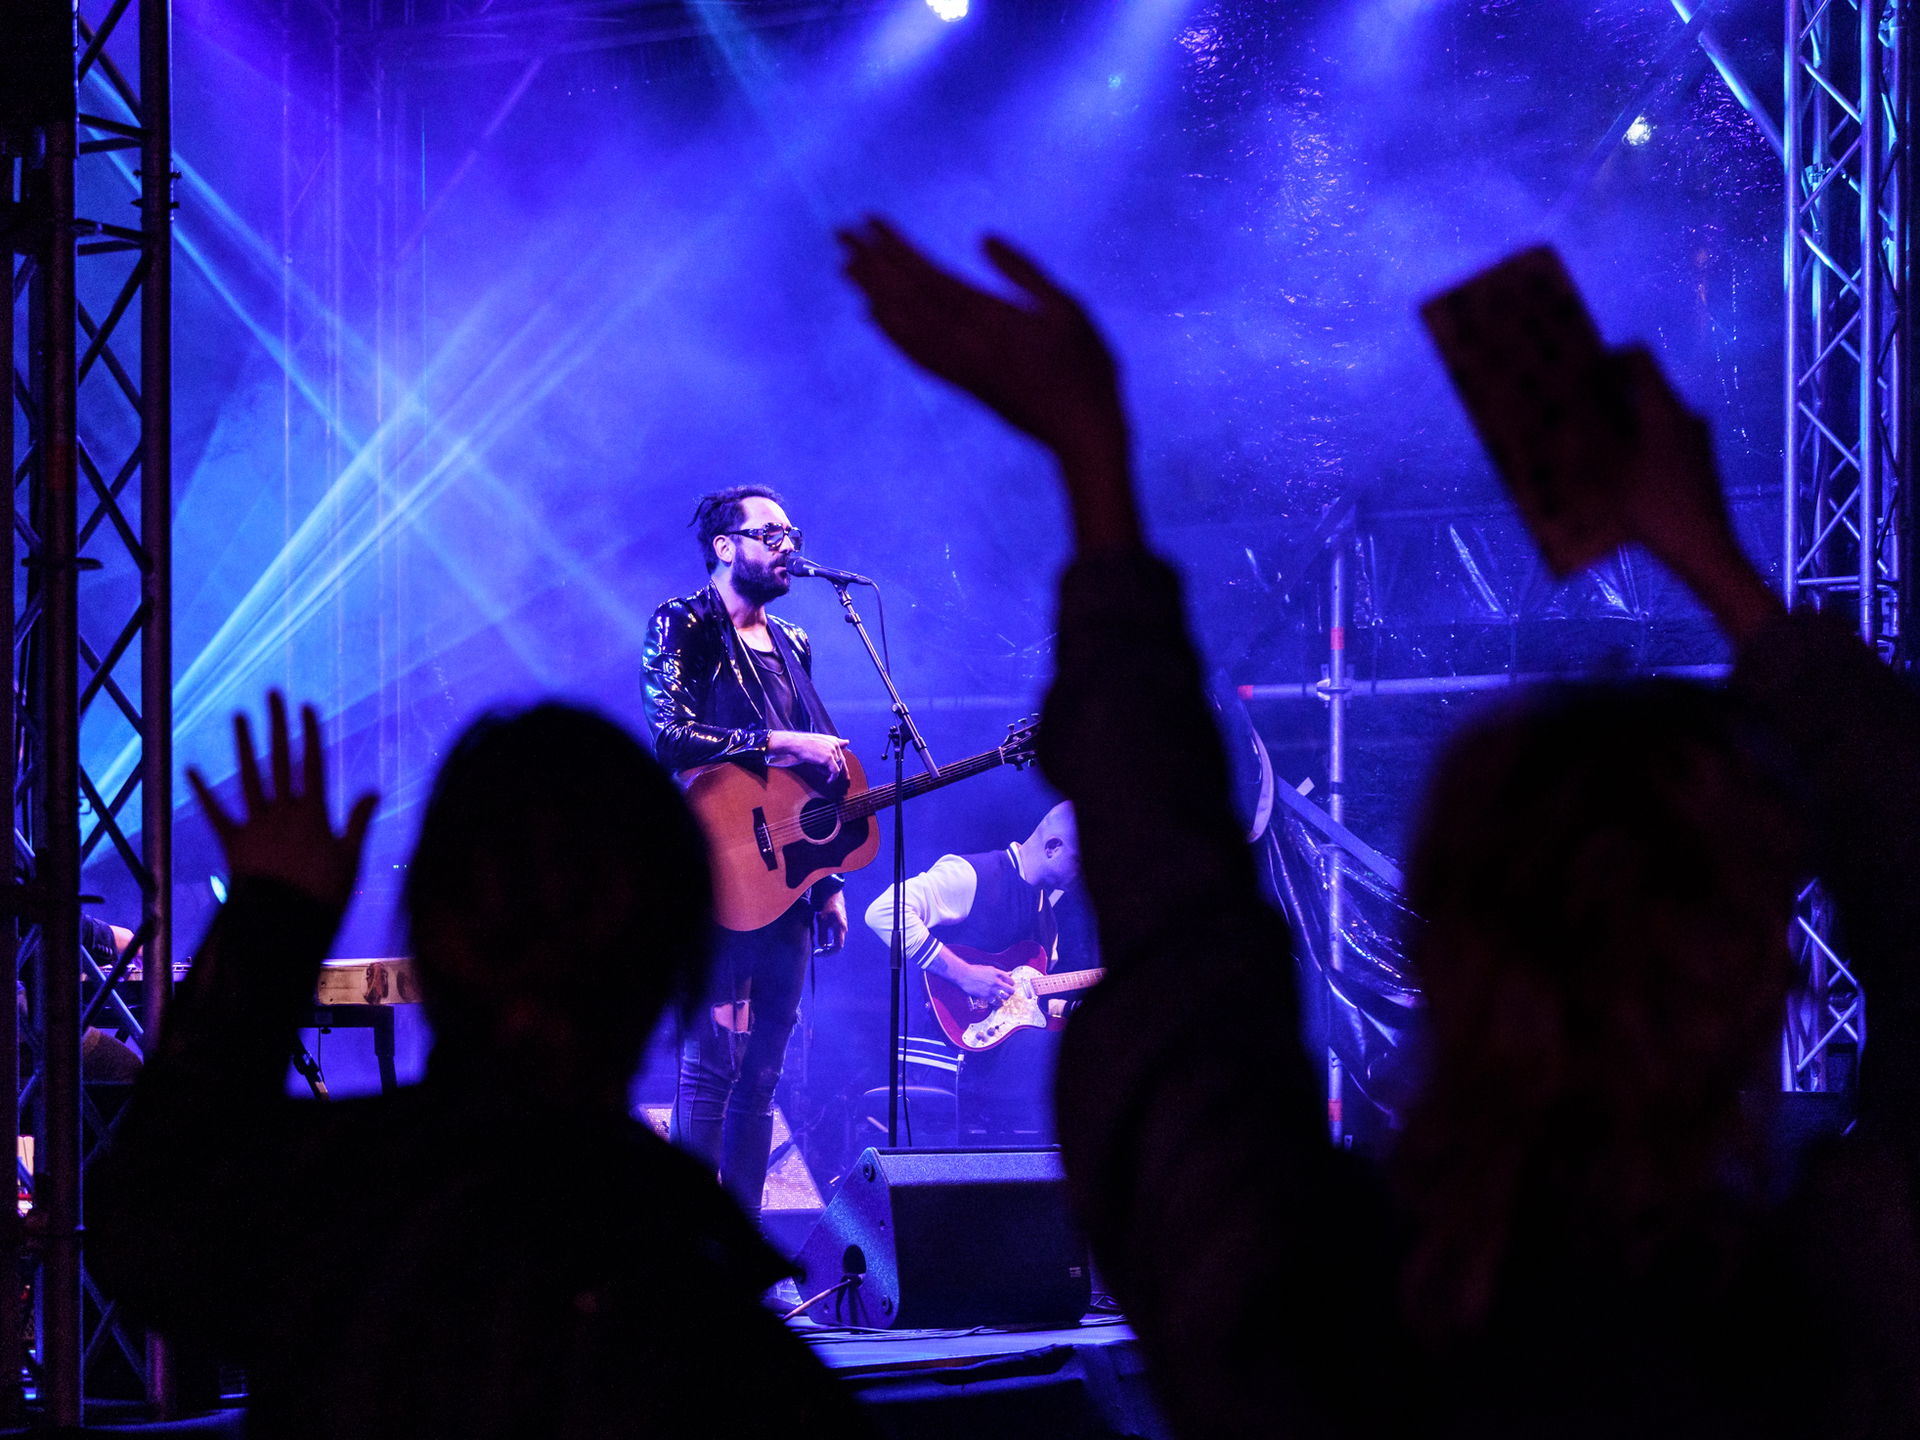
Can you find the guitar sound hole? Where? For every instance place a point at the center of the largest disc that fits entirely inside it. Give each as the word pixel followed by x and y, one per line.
pixel 817 820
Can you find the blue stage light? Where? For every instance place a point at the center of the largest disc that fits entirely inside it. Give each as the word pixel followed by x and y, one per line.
pixel 948 9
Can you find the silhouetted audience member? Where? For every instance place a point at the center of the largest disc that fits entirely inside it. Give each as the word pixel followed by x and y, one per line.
pixel 499 1250
pixel 1584 1232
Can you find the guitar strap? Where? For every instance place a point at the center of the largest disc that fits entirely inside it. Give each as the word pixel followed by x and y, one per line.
pixel 818 720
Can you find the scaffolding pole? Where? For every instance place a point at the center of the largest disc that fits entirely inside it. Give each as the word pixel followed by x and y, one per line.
pixel 1332 856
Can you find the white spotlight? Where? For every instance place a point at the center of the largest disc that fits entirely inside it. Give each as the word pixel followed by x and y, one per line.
pixel 949 10
pixel 1639 132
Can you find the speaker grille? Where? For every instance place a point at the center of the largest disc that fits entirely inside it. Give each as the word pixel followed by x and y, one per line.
pixel 949 1239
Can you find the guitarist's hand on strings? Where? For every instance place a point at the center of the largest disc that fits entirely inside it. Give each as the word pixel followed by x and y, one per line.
pixel 985 983
pixel 802 747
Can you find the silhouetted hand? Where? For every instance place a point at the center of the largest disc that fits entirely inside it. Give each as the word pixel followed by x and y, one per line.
pixel 1671 501
pixel 1664 493
pixel 285 833
pixel 1036 359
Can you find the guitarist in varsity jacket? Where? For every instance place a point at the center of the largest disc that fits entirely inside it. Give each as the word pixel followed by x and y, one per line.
pixel 725 681
pixel 991 903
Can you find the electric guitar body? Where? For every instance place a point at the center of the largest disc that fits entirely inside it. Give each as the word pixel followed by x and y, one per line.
pixel 974 1025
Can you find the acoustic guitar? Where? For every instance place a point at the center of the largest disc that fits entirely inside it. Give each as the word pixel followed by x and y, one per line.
pixel 972 1024
pixel 771 836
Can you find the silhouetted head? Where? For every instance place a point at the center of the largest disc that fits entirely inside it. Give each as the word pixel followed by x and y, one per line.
pixel 558 899
pixel 1606 877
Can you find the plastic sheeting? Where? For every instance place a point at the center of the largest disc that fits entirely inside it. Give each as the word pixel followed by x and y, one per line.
pixel 1360 1000
pixel 1468 568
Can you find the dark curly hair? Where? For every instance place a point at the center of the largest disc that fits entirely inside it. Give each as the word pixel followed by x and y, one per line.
pixel 1606 876
pixel 721 511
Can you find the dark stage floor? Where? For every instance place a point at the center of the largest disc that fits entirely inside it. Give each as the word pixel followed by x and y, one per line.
pixel 1084 1383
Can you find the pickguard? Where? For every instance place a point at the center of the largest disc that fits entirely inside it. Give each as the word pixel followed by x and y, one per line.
pixel 1019 1010
pixel 826 843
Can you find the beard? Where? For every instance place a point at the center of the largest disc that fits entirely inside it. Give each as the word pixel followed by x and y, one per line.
pixel 759 581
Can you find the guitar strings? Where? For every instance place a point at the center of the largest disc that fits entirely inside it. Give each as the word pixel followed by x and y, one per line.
pixel 871 802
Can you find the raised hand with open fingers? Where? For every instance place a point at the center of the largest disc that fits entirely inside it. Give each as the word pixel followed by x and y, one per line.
pixel 1034 358
pixel 284 831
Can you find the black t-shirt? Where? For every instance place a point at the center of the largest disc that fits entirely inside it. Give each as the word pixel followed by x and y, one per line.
pixel 784 710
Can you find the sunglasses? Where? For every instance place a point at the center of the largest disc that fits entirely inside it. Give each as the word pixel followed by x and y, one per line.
pixel 772 536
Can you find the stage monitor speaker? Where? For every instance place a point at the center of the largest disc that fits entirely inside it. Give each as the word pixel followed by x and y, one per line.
pixel 948 1239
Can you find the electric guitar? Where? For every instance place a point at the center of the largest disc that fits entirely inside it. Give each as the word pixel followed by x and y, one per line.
pixel 975 1025
pixel 771 836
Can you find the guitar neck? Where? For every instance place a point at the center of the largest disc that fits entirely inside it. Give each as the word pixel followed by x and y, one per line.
pixel 871 802
pixel 1066 980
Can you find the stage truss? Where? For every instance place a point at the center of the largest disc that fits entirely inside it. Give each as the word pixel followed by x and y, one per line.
pixel 1849 452
pixel 88 437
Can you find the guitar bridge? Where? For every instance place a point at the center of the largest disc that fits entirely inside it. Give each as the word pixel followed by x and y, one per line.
pixel 764 840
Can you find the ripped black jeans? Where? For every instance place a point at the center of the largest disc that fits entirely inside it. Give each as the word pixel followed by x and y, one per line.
pixel 723 1104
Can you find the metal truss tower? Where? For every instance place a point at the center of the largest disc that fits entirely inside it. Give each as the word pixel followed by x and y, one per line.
pixel 1848 321
pixel 1849 432
pixel 88 214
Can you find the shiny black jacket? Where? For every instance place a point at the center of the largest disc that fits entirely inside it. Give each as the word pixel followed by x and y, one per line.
pixel 703 699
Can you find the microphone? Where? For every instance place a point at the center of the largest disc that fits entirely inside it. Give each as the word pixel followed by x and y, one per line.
pixel 800 565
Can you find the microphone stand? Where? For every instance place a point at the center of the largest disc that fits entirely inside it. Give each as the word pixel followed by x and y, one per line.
pixel 903 733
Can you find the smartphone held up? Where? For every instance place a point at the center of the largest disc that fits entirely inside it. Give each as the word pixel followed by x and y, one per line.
pixel 1545 394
